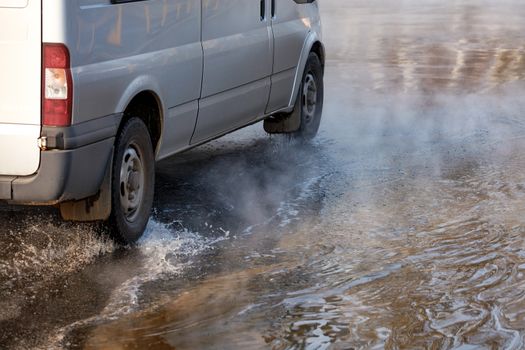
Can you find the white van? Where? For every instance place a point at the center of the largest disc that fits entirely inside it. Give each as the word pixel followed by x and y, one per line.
pixel 93 92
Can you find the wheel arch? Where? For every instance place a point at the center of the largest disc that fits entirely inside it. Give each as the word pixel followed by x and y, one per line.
pixel 314 44
pixel 318 49
pixel 147 106
pixel 142 98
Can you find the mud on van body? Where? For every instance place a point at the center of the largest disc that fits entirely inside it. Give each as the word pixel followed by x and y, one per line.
pixel 93 92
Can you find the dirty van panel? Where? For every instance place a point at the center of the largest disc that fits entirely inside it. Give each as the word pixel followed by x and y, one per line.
pixel 20 69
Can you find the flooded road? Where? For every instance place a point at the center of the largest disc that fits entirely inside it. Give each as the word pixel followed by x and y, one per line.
pixel 400 227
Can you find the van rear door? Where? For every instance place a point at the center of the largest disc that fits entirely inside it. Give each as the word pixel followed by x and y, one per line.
pixel 20 86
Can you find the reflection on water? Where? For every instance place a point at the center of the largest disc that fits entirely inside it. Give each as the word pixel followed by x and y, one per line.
pixel 460 46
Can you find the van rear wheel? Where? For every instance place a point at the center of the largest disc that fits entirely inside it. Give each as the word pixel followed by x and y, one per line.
pixel 133 180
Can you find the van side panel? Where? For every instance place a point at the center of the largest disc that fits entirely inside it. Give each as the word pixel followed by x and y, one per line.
pixel 20 90
pixel 290 26
pixel 236 41
pixel 119 50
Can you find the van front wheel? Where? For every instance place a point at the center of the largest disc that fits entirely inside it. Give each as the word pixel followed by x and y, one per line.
pixel 310 99
pixel 133 181
pixel 303 122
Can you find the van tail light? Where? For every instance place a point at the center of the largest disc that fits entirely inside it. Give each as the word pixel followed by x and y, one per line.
pixel 57 85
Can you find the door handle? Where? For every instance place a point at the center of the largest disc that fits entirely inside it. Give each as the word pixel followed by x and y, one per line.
pixel 273 8
pixel 263 10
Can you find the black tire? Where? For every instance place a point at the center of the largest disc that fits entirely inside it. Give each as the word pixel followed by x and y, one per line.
pixel 310 99
pixel 132 182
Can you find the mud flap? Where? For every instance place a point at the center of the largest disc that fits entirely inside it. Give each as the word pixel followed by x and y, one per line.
pixel 95 208
pixel 284 123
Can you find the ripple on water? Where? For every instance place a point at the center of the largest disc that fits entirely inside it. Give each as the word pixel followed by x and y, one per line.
pixel 455 280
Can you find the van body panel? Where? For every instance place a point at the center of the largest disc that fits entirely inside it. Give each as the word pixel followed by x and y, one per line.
pixel 311 39
pixel 20 90
pixel 213 66
pixel 236 43
pixel 223 110
pixel 291 26
pixel 118 51
pixel 81 134
pixel 13 3
pixel 282 86
pixel 238 58
pixel 65 175
pixel 19 153
pixel 179 122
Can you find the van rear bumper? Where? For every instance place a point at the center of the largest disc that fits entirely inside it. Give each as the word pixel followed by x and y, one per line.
pixel 72 169
pixel 63 175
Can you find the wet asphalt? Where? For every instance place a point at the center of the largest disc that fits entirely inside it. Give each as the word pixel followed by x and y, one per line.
pixel 400 226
